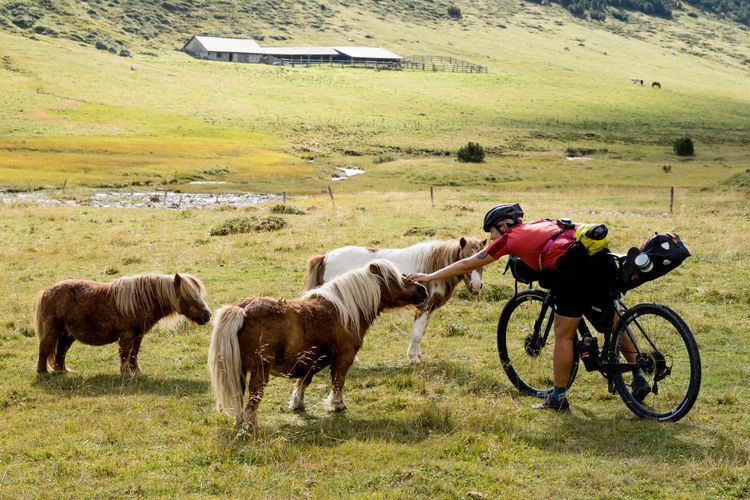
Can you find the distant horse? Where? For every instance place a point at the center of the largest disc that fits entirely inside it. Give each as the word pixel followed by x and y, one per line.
pixel 260 336
pixel 420 258
pixel 656 85
pixel 124 310
pixel 636 80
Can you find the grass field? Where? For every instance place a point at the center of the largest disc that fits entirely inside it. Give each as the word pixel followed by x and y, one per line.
pixel 448 427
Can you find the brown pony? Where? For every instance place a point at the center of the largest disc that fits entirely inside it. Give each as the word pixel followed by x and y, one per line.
pixel 260 336
pixel 101 313
pixel 423 257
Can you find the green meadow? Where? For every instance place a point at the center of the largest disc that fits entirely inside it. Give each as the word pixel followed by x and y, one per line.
pixel 75 121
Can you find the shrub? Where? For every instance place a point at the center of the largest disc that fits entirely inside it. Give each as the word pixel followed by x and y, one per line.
pixel 420 231
pixel 471 153
pixel 239 225
pixel 287 209
pixel 454 12
pixel 384 158
pixel 666 168
pixel 683 146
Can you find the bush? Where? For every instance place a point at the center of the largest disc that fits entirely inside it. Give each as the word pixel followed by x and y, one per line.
pixel 239 225
pixel 454 12
pixel 471 153
pixel 683 146
pixel 287 209
pixel 383 158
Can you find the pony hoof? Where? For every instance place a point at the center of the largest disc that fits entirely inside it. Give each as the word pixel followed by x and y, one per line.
pixel 335 407
pixel 296 408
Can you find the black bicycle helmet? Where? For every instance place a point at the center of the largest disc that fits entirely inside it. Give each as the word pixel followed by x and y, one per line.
pixel 505 212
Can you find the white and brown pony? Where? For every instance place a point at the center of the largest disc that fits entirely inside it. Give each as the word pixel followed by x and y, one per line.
pixel 259 336
pixel 122 311
pixel 424 257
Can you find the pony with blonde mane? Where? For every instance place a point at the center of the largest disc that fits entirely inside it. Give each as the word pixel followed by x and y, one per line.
pixel 423 257
pixel 259 336
pixel 96 313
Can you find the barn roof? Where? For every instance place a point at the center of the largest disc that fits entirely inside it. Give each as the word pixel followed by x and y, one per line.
pixel 367 53
pixel 298 51
pixel 237 45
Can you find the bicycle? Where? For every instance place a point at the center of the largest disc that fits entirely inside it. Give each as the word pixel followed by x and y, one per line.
pixel 648 336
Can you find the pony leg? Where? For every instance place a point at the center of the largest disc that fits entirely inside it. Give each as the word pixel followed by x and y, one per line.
pixel 126 350
pixel 49 332
pixel 133 359
pixel 414 352
pixel 258 381
pixel 335 401
pixel 63 344
pixel 297 401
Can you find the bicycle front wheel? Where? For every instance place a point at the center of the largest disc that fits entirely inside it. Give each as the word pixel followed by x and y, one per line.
pixel 655 338
pixel 525 342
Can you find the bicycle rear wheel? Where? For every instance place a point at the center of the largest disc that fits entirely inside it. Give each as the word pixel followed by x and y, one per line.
pixel 525 341
pixel 668 355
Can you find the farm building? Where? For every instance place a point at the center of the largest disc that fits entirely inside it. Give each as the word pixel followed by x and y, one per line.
pixel 245 50
pixel 223 49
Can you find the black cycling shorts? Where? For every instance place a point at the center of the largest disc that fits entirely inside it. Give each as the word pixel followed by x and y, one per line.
pixel 583 280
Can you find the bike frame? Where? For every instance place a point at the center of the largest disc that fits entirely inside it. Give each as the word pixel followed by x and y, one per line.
pixel 603 365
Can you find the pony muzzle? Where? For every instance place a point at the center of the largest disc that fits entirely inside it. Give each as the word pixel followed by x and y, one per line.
pixel 421 294
pixel 204 317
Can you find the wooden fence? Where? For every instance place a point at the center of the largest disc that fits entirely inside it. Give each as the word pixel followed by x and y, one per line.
pixel 418 63
pixel 441 63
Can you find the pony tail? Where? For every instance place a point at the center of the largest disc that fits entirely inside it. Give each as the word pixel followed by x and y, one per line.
pixel 39 326
pixel 224 361
pixel 313 272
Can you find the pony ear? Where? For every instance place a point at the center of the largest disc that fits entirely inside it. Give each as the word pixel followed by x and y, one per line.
pixel 177 280
pixel 484 242
pixel 375 269
pixel 462 242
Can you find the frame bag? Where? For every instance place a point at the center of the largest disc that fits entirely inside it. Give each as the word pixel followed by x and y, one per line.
pixel 522 273
pixel 665 252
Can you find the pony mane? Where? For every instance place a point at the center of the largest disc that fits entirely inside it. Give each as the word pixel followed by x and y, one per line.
pixel 438 254
pixel 356 294
pixel 148 291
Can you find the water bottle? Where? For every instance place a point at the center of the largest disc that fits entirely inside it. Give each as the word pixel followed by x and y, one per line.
pixel 644 262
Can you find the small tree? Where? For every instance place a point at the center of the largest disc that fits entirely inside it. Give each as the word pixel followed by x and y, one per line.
pixel 454 12
pixel 683 146
pixel 471 153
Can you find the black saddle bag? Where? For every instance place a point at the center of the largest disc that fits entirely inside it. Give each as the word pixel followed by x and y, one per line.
pixel 665 252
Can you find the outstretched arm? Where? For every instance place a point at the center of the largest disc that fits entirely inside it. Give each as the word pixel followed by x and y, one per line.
pixel 479 259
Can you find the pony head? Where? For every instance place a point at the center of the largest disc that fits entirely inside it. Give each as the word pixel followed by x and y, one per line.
pixel 395 290
pixel 468 247
pixel 190 299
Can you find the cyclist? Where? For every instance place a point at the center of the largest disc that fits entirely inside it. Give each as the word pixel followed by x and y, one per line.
pixel 544 244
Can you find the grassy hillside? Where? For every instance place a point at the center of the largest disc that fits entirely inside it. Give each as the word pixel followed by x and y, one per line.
pixel 89 120
pixel 72 112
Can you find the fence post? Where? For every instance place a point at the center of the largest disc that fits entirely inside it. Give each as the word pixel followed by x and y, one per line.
pixel 330 193
pixel 671 199
pixel 283 197
pixel 64 184
pixel 432 197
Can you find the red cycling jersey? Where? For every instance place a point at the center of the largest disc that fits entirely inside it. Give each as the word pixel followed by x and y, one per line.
pixel 531 243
